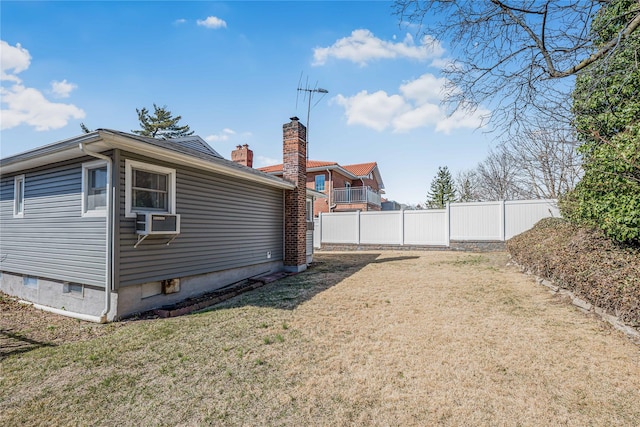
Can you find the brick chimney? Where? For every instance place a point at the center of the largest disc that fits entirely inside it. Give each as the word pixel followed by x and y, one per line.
pixel 294 168
pixel 243 155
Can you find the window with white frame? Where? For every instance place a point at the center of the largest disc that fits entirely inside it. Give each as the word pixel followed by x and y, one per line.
pixel 309 210
pixel 94 188
pixel 149 188
pixel 320 179
pixel 18 196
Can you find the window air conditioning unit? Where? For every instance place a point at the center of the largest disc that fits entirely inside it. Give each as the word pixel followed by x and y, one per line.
pixel 156 223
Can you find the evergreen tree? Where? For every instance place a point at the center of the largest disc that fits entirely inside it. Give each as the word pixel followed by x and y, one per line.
pixel 442 189
pixel 161 124
pixel 607 115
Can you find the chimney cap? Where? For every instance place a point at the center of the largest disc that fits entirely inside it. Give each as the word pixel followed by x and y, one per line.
pixel 294 119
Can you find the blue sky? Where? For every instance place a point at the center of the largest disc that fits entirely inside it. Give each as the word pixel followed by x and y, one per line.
pixel 231 70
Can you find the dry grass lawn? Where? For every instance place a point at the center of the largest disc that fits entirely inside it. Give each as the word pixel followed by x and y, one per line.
pixel 366 338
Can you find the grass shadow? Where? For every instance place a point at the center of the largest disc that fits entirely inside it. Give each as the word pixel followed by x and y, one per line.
pixel 15 343
pixel 327 270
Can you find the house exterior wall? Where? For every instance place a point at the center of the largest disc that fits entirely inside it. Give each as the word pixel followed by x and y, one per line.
pixel 319 205
pixel 226 224
pixel 53 240
pixel 338 180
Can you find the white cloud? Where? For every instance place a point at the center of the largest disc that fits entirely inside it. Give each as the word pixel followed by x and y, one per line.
pixel 418 104
pixel 222 136
pixel 212 22
pixel 375 110
pixel 62 89
pixel 14 58
pixel 29 106
pixel 180 21
pixel 424 89
pixel 262 161
pixel 362 46
pixel 463 119
pixel 25 105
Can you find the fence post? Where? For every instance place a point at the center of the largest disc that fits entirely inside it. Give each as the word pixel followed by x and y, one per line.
pixel 502 221
pixel 320 229
pixel 447 224
pixel 358 227
pixel 401 227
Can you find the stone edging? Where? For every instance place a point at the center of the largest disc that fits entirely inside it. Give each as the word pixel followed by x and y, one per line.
pixel 584 306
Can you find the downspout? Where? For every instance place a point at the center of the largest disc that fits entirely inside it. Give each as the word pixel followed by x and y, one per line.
pixel 330 190
pixel 109 233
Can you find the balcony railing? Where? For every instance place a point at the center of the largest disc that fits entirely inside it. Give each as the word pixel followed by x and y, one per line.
pixel 356 195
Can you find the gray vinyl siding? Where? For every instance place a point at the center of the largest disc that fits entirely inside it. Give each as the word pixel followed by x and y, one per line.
pixel 225 223
pixel 52 240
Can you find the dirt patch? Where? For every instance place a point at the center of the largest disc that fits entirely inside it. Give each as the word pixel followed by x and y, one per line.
pixel 24 328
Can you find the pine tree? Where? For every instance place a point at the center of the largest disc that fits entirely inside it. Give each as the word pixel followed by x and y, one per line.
pixel 161 124
pixel 442 189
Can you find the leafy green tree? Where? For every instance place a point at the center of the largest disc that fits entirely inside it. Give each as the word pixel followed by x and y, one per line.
pixel 161 124
pixel 442 189
pixel 607 116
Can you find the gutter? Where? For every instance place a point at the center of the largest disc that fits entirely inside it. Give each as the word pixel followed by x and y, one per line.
pixel 108 245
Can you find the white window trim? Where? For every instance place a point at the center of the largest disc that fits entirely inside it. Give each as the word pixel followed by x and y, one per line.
pixel 85 182
pixel 309 210
pixel 324 182
pixel 18 180
pixel 129 165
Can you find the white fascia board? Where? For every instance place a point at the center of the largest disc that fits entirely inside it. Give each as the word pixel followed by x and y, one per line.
pixel 315 194
pixel 138 147
pixel 334 167
pixel 48 154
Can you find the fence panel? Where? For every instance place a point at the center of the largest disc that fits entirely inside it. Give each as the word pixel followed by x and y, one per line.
pixel 340 227
pixel 317 238
pixel 520 216
pixel 483 221
pixel 382 228
pixel 476 221
pixel 426 227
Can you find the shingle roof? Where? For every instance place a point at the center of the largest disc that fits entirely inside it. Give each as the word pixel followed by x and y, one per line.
pixel 194 147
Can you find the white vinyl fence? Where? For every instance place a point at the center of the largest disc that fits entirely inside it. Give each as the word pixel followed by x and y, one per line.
pixel 482 221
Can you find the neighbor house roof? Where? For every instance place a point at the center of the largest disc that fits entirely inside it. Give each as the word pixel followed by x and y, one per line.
pixel 360 170
pixel 191 151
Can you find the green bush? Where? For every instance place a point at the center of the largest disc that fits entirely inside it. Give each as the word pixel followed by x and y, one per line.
pixel 608 196
pixel 584 261
pixel 606 105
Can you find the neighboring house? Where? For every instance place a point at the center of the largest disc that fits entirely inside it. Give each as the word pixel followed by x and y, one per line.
pixel 390 205
pixel 108 224
pixel 347 188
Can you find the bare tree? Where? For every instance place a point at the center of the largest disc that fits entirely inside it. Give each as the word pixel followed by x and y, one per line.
pixel 499 177
pixel 467 186
pixel 547 159
pixel 512 53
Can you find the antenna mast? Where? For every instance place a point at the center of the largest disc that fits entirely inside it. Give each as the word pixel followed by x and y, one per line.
pixel 308 92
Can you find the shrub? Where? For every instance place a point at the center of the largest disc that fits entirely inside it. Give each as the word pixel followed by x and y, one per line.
pixel 585 261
